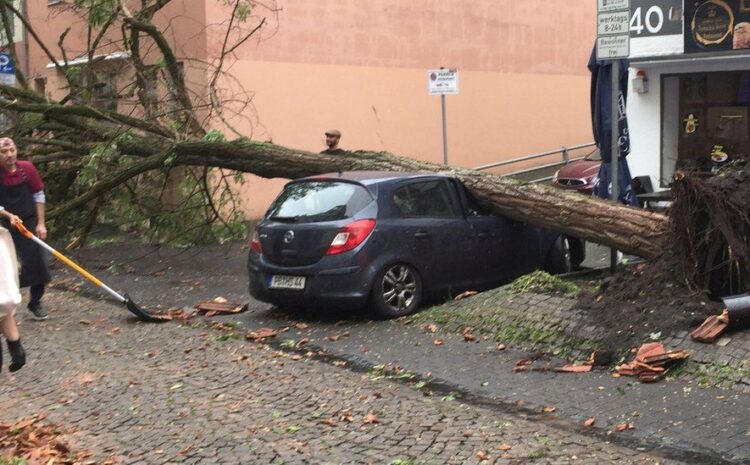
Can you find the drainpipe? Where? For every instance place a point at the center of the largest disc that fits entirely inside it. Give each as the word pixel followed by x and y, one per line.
pixel 25 38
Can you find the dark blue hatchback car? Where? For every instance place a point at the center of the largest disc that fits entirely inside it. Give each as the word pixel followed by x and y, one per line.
pixel 390 240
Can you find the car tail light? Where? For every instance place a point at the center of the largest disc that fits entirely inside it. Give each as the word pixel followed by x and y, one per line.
pixel 350 236
pixel 255 242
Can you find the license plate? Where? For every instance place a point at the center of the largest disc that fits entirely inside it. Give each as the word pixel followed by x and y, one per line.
pixel 281 281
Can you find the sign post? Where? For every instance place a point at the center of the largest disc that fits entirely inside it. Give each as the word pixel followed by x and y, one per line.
pixel 613 43
pixel 443 82
pixel 7 70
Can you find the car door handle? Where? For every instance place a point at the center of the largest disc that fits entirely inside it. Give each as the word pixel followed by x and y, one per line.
pixel 483 235
pixel 422 235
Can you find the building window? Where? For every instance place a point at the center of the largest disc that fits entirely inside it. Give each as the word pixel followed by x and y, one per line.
pixel 104 92
pixel 706 120
pixel 98 89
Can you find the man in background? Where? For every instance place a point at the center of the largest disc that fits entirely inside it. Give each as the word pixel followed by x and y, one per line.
pixel 333 136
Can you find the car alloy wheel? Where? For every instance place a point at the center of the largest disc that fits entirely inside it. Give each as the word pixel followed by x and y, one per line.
pixel 398 292
pixel 561 257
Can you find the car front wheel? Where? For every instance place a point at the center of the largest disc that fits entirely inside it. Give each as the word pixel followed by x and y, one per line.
pixel 560 258
pixel 397 291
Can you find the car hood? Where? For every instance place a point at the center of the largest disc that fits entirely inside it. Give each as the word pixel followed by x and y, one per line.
pixel 579 169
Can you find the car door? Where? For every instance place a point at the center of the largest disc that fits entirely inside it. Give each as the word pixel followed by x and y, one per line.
pixel 495 239
pixel 436 231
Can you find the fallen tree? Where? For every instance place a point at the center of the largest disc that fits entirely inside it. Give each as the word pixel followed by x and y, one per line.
pixel 631 230
pixel 88 153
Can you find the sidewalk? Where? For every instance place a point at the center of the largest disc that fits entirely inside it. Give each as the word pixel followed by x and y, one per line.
pixel 132 393
pixel 698 424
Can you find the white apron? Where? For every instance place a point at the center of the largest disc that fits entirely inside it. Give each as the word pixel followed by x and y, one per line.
pixel 9 293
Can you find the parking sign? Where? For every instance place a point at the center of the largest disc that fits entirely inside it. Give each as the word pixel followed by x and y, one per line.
pixel 7 70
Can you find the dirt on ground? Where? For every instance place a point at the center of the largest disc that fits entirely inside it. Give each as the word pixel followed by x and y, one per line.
pixel 708 249
pixel 645 301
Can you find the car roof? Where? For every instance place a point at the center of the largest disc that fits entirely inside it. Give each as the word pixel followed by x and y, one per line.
pixel 371 177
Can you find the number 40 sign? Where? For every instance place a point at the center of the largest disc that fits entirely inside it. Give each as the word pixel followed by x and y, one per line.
pixel 655 18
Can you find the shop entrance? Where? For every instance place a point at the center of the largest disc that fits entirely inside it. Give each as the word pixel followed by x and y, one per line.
pixel 705 122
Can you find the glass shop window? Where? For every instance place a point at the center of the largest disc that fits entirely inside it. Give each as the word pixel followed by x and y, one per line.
pixel 712 120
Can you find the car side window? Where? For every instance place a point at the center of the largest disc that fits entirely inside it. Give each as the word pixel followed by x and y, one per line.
pixel 425 199
pixel 472 204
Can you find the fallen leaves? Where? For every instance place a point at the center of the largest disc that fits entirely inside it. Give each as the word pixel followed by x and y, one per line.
pixel 37 443
pixel 220 306
pixel 329 422
pixel 482 455
pixel 370 419
pixel 624 427
pixel 589 422
pixel 466 294
pixel 336 337
pixel 438 342
pixel 468 336
pixel 87 378
pixel 262 333
pixel 522 365
pixel 431 328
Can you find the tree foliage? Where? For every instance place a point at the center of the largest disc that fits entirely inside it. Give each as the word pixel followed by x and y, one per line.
pixel 109 141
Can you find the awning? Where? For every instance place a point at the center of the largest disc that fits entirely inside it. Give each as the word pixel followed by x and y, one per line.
pixel 740 60
pixel 84 59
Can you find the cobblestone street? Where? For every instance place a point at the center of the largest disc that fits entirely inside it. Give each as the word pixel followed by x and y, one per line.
pixel 172 393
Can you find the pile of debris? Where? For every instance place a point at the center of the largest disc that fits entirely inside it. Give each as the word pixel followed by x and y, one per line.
pixel 735 316
pixel 651 362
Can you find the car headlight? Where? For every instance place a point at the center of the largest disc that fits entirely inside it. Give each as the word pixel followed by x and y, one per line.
pixel 554 177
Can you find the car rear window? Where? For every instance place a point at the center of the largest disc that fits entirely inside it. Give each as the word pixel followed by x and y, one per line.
pixel 317 201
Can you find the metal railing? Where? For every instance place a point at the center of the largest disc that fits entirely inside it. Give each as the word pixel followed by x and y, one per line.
pixel 563 151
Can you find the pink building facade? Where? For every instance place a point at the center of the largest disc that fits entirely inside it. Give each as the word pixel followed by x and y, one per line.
pixel 361 67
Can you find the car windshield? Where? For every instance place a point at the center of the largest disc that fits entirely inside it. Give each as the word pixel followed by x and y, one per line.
pixel 594 156
pixel 316 201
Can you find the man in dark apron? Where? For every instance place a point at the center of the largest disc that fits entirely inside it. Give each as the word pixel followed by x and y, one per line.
pixel 22 193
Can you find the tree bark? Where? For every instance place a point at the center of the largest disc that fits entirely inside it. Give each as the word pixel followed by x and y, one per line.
pixel 631 230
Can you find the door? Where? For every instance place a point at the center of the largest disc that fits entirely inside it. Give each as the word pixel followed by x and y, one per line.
pixel 437 233
pixel 496 241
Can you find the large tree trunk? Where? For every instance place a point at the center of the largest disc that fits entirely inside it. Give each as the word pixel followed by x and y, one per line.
pixel 631 230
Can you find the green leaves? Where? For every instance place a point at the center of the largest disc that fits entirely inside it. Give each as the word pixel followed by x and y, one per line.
pixel 100 11
pixel 214 135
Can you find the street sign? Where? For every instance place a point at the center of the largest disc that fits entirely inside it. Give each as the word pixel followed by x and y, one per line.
pixel 613 23
pixel 612 47
pixel 612 31
pixel 7 70
pixel 612 5
pixel 442 81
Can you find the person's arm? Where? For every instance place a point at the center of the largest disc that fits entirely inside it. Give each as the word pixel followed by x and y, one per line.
pixel 41 227
pixel 37 187
pixel 10 216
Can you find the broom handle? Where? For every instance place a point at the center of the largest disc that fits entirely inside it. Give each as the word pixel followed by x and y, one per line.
pixel 68 262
